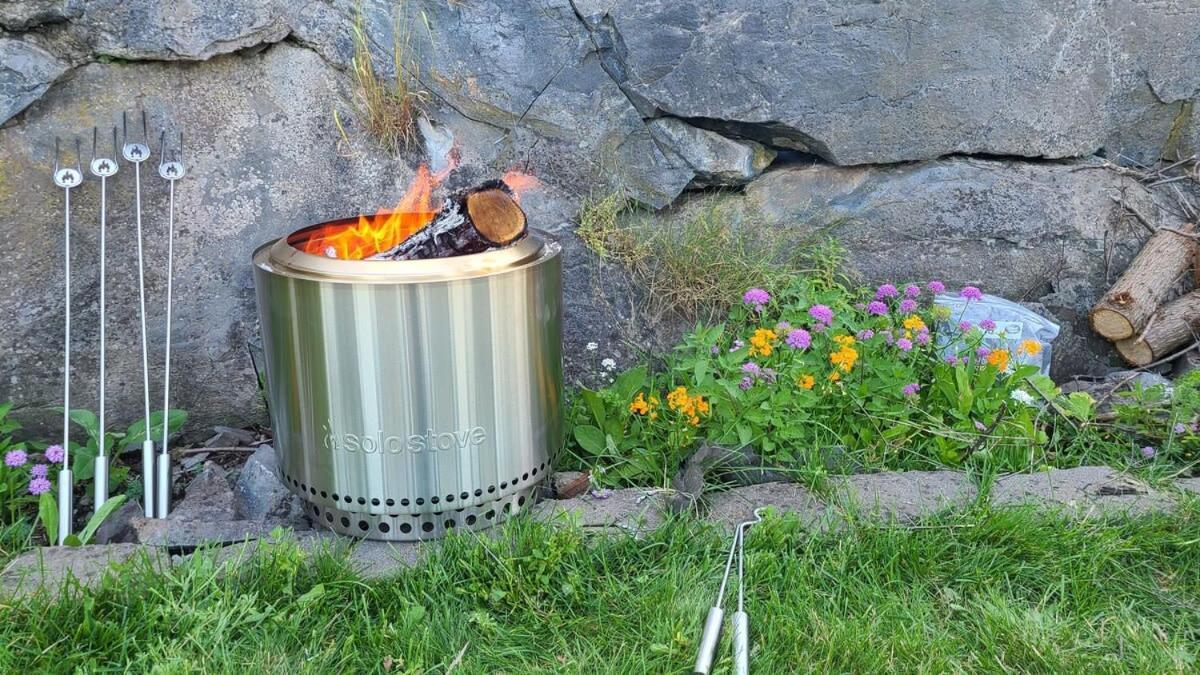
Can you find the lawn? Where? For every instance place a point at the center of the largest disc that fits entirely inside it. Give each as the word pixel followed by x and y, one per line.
pixel 995 591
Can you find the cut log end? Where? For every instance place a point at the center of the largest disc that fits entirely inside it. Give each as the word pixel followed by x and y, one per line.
pixel 1111 324
pixel 1136 352
pixel 496 216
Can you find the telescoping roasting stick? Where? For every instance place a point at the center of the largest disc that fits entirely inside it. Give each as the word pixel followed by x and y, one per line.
pixel 66 178
pixel 713 623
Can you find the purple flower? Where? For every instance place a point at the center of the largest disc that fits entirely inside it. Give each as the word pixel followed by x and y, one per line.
pixel 878 308
pixel 603 493
pixel 980 426
pixel 1148 452
pixel 819 327
pixel 971 293
pixel 39 485
pixel 907 305
pixel 1179 428
pixel 746 383
pixel 39 470
pixel 55 454
pixel 751 368
pixel 821 313
pixel 865 335
pixel 886 291
pixel 965 326
pixel 911 388
pixel 983 352
pixel 715 350
pixel 887 336
pixel 935 286
pixel 782 327
pixel 769 375
pixel 987 324
pixel 912 291
pixel 737 344
pixel 952 360
pixel 923 338
pixel 15 458
pixel 904 344
pixel 757 297
pixel 798 339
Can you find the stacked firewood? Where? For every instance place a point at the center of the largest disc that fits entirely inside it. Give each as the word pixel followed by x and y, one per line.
pixel 473 220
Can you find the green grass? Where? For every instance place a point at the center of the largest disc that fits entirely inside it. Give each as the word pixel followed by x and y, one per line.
pixel 998 592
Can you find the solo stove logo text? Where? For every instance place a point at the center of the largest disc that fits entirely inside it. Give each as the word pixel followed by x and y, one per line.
pixel 430 441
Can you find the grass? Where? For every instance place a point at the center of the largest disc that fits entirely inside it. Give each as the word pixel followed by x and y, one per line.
pixel 1006 591
pixel 698 259
pixel 386 110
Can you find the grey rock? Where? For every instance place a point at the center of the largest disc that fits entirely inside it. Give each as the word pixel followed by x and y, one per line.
pixel 568 484
pixel 260 494
pixel 1084 491
pixel 25 14
pixel 715 159
pixel 188 30
pixel 193 533
pixel 631 510
pixel 1191 485
pixel 229 437
pixel 26 72
pixel 45 569
pixel 208 497
pixel 713 465
pixel 372 559
pixel 118 526
pixel 860 83
pixel 738 504
pixel 903 497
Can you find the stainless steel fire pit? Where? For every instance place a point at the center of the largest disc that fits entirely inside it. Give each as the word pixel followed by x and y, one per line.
pixel 412 397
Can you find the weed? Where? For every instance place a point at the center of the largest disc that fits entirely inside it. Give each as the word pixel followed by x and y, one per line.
pixel 386 110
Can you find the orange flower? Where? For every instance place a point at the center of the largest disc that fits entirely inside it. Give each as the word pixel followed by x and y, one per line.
pixel 914 322
pixel 999 358
pixel 1030 346
pixel 762 343
pixel 835 376
pixel 805 381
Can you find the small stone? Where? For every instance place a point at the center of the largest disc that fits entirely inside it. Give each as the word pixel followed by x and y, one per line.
pixel 568 484
pixel 118 526
pixel 46 568
pixel 229 437
pixel 1191 485
pixel 260 494
pixel 1083 491
pixel 208 497
pixel 716 159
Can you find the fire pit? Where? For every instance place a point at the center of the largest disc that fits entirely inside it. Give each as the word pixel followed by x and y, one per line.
pixel 411 396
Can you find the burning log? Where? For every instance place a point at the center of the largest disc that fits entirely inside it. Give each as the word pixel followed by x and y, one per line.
pixel 1170 328
pixel 1127 307
pixel 473 220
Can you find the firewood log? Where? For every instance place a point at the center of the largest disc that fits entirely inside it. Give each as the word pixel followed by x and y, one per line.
pixel 483 217
pixel 1127 306
pixel 1170 328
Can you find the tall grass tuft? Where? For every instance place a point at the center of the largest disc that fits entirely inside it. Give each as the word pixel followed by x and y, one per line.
pixel 386 110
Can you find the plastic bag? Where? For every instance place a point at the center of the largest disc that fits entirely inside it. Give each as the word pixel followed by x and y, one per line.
pixel 1014 323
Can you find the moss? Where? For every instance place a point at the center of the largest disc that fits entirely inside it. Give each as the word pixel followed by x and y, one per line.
pixel 1175 145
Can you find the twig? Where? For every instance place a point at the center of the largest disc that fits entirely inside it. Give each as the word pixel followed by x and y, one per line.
pixel 1164 181
pixel 196 451
pixel 1136 214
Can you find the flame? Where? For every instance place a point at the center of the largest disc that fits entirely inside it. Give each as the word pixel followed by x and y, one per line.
pixel 519 182
pixel 384 230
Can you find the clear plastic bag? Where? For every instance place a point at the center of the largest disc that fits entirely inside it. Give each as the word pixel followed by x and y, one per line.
pixel 1014 323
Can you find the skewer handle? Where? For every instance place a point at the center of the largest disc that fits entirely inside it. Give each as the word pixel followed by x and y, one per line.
pixel 708 640
pixel 65 505
pixel 100 489
pixel 148 477
pixel 162 486
pixel 741 643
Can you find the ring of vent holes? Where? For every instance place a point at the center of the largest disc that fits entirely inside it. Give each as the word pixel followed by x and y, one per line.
pixel 428 525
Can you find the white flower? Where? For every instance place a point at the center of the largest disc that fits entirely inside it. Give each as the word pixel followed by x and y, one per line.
pixel 592 346
pixel 609 364
pixel 1022 396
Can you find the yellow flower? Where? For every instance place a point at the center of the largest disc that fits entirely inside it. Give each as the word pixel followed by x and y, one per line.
pixel 843 340
pixel 805 381
pixel 844 358
pixel 677 398
pixel 1030 346
pixel 835 376
pixel 639 405
pixel 762 343
pixel 914 323
pixel 999 358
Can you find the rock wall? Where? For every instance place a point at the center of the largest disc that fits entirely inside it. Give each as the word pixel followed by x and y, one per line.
pixel 953 131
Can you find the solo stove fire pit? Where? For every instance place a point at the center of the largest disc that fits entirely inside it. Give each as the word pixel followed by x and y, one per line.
pixel 412 397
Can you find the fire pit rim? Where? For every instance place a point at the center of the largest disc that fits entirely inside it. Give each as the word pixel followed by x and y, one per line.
pixel 282 257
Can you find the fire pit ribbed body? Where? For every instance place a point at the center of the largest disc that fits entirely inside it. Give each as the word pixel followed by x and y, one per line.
pixel 412 397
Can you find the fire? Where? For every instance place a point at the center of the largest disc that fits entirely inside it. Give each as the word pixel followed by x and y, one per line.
pixel 519 182
pixel 385 229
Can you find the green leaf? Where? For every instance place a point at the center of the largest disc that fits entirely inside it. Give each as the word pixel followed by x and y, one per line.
pixel 312 595
pixel 595 404
pixel 48 514
pixel 83 460
pixel 72 540
pixel 137 431
pixel 87 420
pixel 98 518
pixel 629 382
pixel 590 438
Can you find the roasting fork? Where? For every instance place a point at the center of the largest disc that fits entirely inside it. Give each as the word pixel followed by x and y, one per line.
pixel 171 169
pixel 102 167
pixel 66 178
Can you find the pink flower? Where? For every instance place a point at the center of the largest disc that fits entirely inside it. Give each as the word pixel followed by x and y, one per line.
pixel 798 339
pixel 783 327
pixel 751 368
pixel 878 308
pixel 965 326
pixel 904 344
pixel 39 470
pixel 907 305
pixel 935 286
pixel 911 388
pixel 971 293
pixel 923 338
pixel 819 327
pixel 15 458
pixel 952 360
pixel 886 291
pixel 1149 452
pixel 55 454
pixel 746 383
pixel 756 297
pixel 980 426
pixel 39 485
pixel 987 324
pixel 821 313
pixel 983 352
pixel 912 291
pixel 864 335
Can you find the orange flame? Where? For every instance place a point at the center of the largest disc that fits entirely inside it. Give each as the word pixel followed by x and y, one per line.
pixel 518 182
pixel 383 231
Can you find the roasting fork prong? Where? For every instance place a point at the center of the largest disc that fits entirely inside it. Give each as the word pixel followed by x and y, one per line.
pixel 66 178
pixel 171 169
pixel 102 166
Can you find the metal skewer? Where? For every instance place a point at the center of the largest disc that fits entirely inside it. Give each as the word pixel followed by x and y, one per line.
pixel 711 633
pixel 102 167
pixel 66 178
pixel 136 153
pixel 741 620
pixel 171 171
